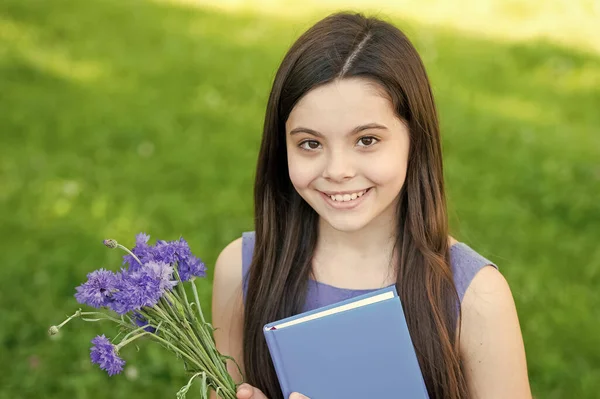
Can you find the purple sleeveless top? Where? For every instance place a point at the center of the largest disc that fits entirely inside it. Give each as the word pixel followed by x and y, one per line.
pixel 464 261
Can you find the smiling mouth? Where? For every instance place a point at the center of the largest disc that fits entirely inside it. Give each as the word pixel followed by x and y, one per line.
pixel 347 197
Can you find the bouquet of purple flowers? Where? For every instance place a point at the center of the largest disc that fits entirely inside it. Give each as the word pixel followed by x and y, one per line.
pixel 148 298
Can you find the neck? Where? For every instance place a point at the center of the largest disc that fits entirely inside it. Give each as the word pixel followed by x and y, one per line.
pixel 377 237
pixel 350 253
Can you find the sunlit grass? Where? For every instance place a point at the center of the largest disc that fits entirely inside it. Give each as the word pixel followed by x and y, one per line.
pixel 25 42
pixel 119 117
pixel 573 23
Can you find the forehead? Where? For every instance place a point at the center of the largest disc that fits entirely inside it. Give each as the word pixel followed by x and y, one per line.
pixel 341 105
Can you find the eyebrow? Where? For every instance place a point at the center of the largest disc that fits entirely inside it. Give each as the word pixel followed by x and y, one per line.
pixel 354 131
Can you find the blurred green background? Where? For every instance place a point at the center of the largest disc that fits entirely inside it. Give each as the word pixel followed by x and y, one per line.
pixel 124 116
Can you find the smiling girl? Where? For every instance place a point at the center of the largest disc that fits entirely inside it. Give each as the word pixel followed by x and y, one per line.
pixel 349 198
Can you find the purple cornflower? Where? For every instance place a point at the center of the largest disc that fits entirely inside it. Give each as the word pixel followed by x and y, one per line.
pixel 142 250
pixel 97 290
pixel 179 252
pixel 161 272
pixel 118 302
pixel 172 252
pixel 142 287
pixel 105 355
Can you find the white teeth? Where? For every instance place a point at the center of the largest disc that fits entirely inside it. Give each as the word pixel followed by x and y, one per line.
pixel 347 197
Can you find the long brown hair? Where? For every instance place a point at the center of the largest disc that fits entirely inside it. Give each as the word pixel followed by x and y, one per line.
pixel 345 45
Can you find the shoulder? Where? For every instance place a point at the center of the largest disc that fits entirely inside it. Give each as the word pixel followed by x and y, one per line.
pixel 227 306
pixel 227 278
pixel 229 262
pixel 228 267
pixel 466 263
pixel 491 340
pixel 489 291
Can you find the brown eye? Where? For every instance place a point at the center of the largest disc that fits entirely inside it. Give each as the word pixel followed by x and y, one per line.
pixel 367 141
pixel 310 145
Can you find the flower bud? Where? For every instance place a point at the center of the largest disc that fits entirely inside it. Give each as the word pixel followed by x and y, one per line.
pixel 53 330
pixel 110 243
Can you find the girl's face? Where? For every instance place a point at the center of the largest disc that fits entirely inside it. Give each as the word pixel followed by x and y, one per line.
pixel 347 153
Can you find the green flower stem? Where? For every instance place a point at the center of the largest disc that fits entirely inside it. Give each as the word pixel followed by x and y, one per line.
pixel 163 341
pixel 199 333
pixel 225 385
pixel 194 337
pixel 54 329
pixel 79 313
pixel 189 313
pixel 129 252
pixel 167 310
pixel 104 316
pixel 137 330
pixel 171 306
pixel 182 340
pixel 168 331
pixel 176 349
pixel 197 300
pixel 199 346
pixel 178 335
pixel 183 391
pixel 126 341
pixel 216 357
pixel 174 333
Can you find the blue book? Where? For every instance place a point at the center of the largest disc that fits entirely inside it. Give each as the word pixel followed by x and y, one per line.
pixel 355 349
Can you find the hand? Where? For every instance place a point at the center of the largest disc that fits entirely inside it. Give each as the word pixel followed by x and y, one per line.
pixel 247 391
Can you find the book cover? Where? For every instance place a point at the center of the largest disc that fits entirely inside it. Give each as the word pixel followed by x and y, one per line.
pixel 357 348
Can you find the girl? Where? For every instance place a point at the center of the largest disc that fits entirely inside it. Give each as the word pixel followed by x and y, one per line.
pixel 349 197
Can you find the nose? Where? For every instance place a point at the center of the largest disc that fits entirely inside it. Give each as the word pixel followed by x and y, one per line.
pixel 339 167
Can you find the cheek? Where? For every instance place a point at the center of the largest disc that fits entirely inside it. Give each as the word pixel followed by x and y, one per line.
pixel 302 171
pixel 388 169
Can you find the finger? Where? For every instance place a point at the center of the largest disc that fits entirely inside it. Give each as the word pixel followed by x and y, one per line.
pixel 296 395
pixel 244 391
pixel 247 391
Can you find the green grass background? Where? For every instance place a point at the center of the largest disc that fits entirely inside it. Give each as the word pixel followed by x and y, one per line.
pixel 124 116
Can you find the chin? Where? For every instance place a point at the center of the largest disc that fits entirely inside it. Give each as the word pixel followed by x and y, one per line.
pixel 346 226
pixel 351 222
